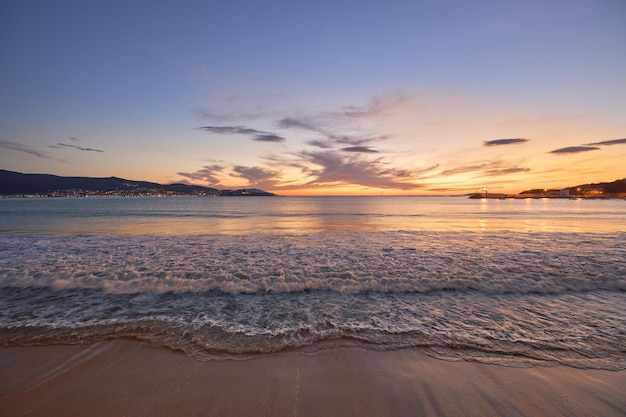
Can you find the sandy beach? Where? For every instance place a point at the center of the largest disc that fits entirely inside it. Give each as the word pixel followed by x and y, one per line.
pixel 128 378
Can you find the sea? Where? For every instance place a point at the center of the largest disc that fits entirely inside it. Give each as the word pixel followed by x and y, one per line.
pixel 515 282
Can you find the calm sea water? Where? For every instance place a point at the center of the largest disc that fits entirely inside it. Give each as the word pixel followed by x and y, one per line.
pixel 515 282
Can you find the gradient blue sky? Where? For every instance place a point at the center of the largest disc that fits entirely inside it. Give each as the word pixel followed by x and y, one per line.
pixel 325 97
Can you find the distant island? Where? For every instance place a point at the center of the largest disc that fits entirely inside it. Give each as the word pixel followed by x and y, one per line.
pixel 17 184
pixel 615 189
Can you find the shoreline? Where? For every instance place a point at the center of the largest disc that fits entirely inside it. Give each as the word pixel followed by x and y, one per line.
pixel 126 377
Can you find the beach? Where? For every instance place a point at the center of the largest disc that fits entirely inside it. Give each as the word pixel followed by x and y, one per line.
pixel 131 378
pixel 312 307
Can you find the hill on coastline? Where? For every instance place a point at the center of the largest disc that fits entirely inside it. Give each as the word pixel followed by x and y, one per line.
pixel 613 189
pixel 19 184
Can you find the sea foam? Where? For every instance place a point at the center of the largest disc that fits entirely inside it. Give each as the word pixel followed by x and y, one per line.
pixel 420 262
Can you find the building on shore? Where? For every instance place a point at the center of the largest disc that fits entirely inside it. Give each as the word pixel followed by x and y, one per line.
pixel 539 193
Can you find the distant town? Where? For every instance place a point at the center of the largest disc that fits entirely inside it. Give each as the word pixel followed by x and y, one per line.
pixel 15 184
pixel 615 189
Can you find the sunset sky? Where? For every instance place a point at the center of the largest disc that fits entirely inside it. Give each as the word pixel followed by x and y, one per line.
pixel 318 97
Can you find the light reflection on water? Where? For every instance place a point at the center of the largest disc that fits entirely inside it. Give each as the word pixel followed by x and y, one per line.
pixel 244 215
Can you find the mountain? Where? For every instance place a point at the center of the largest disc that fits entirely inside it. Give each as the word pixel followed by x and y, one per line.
pixel 15 183
pixel 615 187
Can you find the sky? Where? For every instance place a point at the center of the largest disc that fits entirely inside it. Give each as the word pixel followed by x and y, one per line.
pixel 317 98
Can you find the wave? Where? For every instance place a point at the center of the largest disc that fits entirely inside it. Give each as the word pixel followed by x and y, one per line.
pixel 387 262
pixel 211 342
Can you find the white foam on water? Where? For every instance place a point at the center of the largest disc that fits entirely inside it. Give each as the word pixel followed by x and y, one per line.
pixel 347 263
pixel 511 298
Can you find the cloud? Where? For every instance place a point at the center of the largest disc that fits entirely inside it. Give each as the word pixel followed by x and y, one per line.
pixel 269 137
pixel 80 148
pixel 574 149
pixel 491 168
pixel 378 106
pixel 294 123
pixel 333 168
pixel 505 171
pixel 25 149
pixel 359 149
pixel 608 142
pixel 207 174
pixel 257 177
pixel 207 114
pixel 231 130
pixel 324 144
pixel 332 139
pixel 499 142
pixel 341 150
pixel 257 135
pixel 337 140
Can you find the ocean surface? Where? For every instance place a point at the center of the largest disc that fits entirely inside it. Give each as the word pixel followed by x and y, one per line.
pixel 515 282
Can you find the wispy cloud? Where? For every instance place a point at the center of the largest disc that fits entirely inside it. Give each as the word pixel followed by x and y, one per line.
pixel 574 149
pixel 608 142
pixel 378 106
pixel 329 167
pixel 297 123
pixel 359 149
pixel 499 142
pixel 323 144
pixel 231 116
pixel 269 137
pixel 207 174
pixel 19 147
pixel 80 148
pixel 255 134
pixel 487 168
pixel 505 171
pixel 257 177
pixel 321 125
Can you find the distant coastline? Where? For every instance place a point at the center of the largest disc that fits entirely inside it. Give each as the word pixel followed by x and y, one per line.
pixel 16 184
pixel 603 190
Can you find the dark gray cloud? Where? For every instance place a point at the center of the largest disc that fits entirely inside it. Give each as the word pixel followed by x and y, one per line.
pixel 231 130
pixel 574 149
pixel 80 148
pixel 269 137
pixel 206 174
pixel 257 135
pixel 499 142
pixel 608 142
pixel 295 123
pixel 359 149
pixel 14 146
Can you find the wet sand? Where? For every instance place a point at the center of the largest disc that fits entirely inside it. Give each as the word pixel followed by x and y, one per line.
pixel 128 378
